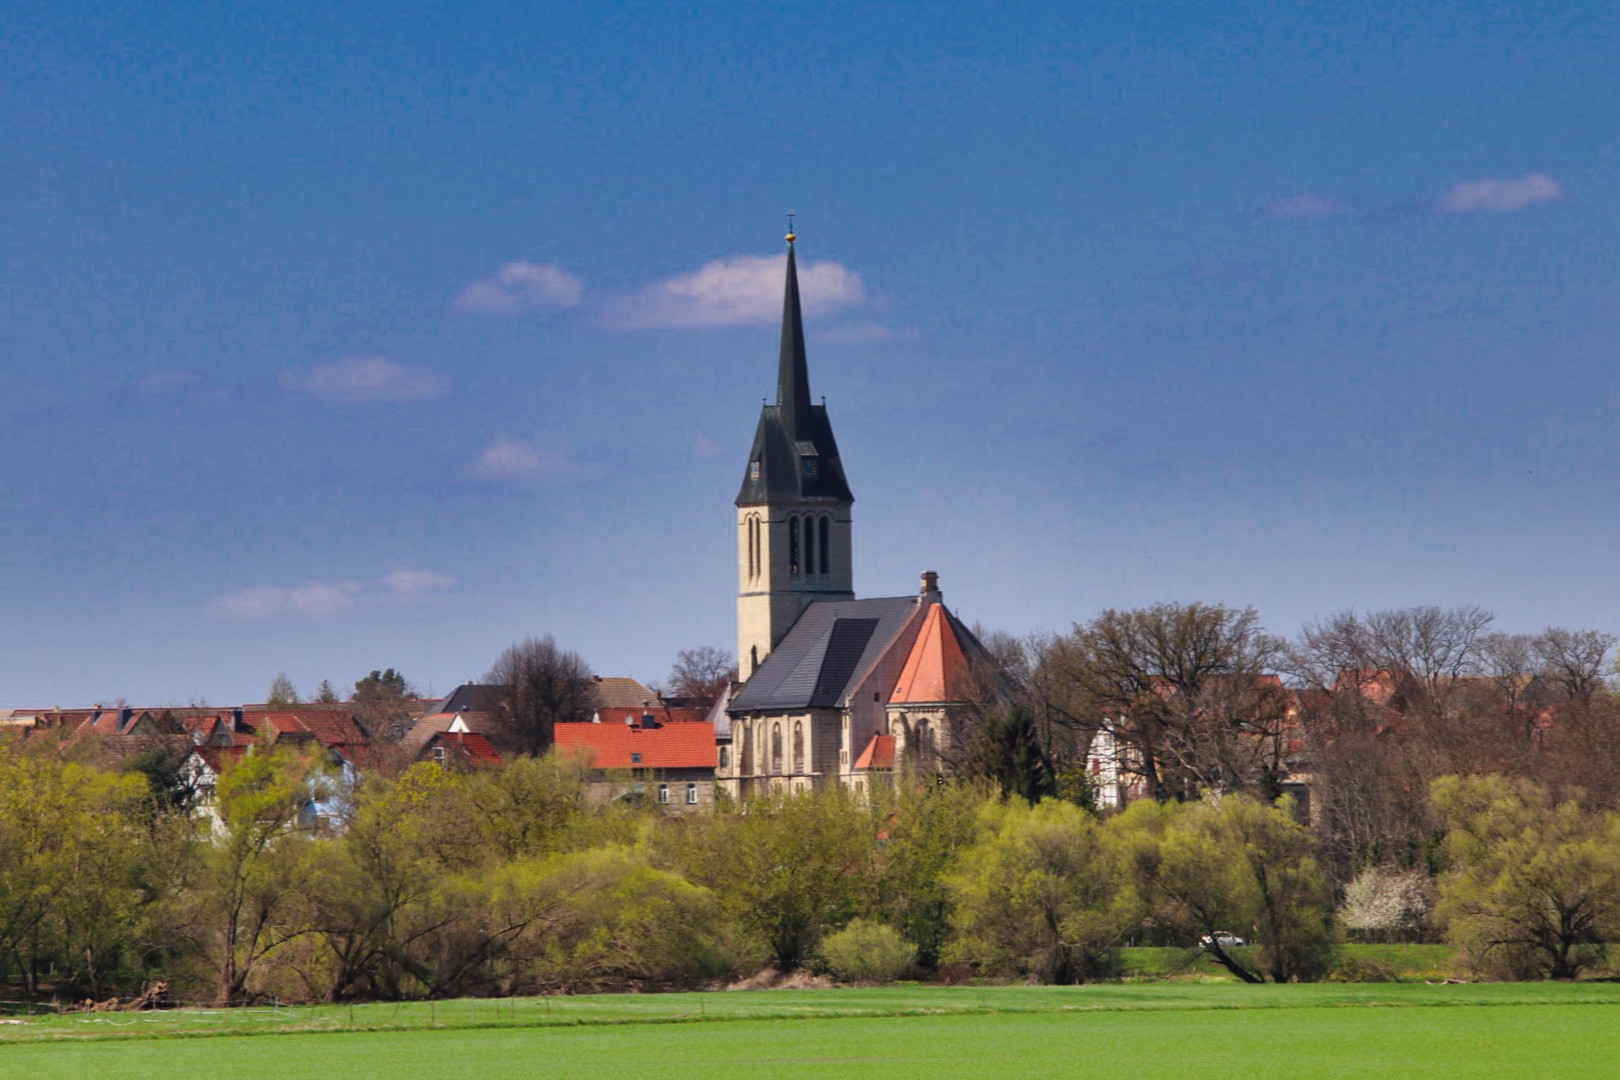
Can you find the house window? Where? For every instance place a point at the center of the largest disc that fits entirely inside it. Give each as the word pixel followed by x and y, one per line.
pixel 826 564
pixel 798 746
pixel 691 794
pixel 663 793
pixel 438 756
pixel 635 758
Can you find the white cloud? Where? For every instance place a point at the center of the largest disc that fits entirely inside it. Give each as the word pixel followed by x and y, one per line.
pixel 518 287
pixel 1501 195
pixel 365 380
pixel 412 582
pixel 511 459
pixel 734 292
pixel 317 598
pixel 1304 207
pixel 165 383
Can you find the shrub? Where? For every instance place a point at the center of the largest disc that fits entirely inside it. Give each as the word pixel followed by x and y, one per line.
pixel 868 952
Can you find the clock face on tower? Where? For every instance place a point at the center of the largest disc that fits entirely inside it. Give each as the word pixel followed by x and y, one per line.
pixel 809 467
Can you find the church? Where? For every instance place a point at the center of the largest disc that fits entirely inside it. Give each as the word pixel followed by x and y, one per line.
pixel 833 689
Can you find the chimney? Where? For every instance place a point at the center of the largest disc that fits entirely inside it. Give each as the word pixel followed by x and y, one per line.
pixel 930 593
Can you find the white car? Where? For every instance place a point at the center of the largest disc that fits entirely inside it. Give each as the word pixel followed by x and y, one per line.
pixel 1221 938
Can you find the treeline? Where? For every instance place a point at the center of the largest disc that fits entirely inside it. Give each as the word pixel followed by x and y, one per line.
pixel 510 881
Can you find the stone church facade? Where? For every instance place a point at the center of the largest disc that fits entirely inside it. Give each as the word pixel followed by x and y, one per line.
pixel 834 689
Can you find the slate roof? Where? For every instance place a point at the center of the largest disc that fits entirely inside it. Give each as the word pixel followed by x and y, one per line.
pixel 794 456
pixel 616 746
pixel 831 646
pixel 470 697
pixel 618 692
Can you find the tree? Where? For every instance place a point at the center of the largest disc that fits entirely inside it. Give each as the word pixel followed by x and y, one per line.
pixel 1007 753
pixel 542 685
pixel 1532 886
pixel 282 692
pixel 789 871
pixel 1042 893
pixel 929 827
pixel 379 686
pixel 326 693
pixel 1186 687
pixel 701 675
pixel 1242 867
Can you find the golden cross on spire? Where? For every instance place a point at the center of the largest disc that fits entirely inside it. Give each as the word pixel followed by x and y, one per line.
pixel 790 236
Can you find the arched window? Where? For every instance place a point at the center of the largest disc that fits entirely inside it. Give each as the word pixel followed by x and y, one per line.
pixel 925 744
pixel 759 553
pixel 826 563
pixel 748 542
pixel 776 748
pixel 809 545
pixel 725 757
pixel 798 746
pixel 793 546
pixel 753 655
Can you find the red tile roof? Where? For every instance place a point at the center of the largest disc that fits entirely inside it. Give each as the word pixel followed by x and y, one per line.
pixel 936 670
pixel 879 754
pixel 619 746
pixel 471 745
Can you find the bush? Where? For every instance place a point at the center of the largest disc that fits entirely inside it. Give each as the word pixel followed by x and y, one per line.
pixel 868 952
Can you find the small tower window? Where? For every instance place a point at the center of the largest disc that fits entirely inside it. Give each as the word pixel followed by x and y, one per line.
pixel 809 545
pixel 826 564
pixel 793 546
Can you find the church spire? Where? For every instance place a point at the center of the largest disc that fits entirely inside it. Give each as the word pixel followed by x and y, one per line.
pixel 793 371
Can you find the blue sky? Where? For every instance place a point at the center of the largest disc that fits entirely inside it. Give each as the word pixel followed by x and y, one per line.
pixel 342 338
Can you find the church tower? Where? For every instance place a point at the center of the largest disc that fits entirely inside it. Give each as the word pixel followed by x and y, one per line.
pixel 793 512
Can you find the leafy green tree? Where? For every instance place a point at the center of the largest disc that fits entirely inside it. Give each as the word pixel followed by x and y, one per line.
pixel 1008 753
pixel 242 901
pixel 1043 893
pixel 1241 867
pixel 381 686
pixel 1532 886
pixel 788 871
pixel 282 692
pixel 929 827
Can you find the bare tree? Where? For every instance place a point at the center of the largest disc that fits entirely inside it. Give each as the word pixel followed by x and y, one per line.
pixel 542 685
pixel 1187 687
pixel 701 675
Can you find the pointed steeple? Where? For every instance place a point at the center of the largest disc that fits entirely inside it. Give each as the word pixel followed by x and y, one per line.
pixel 794 456
pixel 793 371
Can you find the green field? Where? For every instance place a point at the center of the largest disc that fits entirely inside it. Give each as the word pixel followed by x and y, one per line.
pixel 1164 1030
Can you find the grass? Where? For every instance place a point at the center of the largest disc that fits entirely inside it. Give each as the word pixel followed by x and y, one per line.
pixel 1174 1029
pixel 1357 963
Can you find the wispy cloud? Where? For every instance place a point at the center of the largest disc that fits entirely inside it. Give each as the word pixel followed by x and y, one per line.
pixel 185 385
pixel 867 332
pixel 519 287
pixel 366 380
pixel 317 598
pixel 325 599
pixel 415 582
pixel 733 292
pixel 1500 195
pixel 1304 207
pixel 538 459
